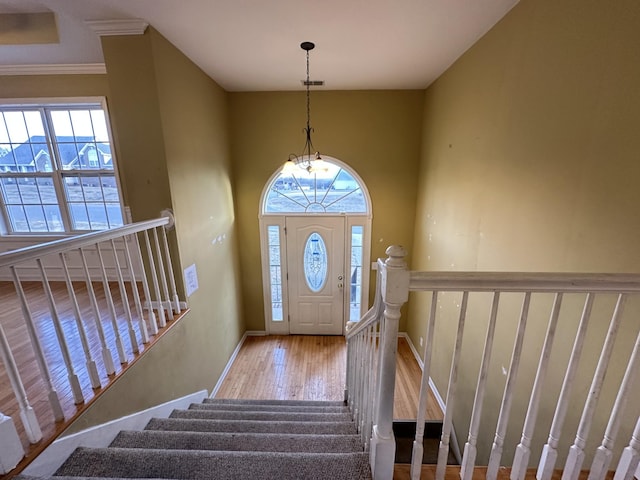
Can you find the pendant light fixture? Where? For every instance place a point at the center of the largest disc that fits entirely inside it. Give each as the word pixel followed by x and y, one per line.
pixel 310 160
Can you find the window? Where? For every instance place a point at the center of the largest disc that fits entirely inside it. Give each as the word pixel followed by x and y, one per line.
pixel 275 272
pixel 332 191
pixel 57 171
pixel 355 292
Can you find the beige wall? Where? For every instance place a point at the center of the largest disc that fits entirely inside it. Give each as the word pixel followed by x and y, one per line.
pixel 173 140
pixel 376 133
pixel 530 162
pixel 52 86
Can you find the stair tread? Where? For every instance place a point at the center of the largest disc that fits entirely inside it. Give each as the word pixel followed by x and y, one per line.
pixel 267 416
pixel 309 403
pixel 254 426
pixel 265 442
pixel 195 464
pixel 268 408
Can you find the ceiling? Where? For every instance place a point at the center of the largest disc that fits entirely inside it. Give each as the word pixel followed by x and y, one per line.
pixel 254 45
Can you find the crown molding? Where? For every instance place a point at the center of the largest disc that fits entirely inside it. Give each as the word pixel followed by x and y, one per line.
pixel 129 26
pixel 57 69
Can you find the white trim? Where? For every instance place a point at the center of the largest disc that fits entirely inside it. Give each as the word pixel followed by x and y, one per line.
pixel 232 358
pixel 102 435
pixel 55 69
pixel 127 26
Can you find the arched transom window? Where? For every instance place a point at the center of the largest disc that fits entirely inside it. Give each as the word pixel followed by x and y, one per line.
pixel 330 190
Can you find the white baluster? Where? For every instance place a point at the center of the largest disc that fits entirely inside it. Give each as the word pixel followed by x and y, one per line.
pixel 27 415
pixel 74 382
pixel 418 446
pixel 550 451
pixel 153 322
pixel 470 449
pixel 144 333
pixel 125 300
pixel 365 384
pixel 107 357
pixel 122 356
pixel 172 280
pixel 602 458
pixel 52 395
pixel 90 363
pixel 154 278
pixel 163 274
pixel 523 450
pixel 507 396
pixel 447 423
pixel 349 377
pixel 630 458
pixel 575 458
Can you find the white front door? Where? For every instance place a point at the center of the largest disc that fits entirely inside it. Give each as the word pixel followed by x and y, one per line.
pixel 315 263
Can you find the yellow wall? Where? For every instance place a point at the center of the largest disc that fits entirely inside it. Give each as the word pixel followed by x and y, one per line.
pixel 377 133
pixel 530 163
pixel 173 144
pixel 53 86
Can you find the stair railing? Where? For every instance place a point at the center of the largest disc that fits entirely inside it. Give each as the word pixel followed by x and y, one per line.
pixel 493 300
pixel 573 287
pixel 110 262
pixel 372 344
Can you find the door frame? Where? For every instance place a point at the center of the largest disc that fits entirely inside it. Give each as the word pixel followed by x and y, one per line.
pixel 282 327
pixel 265 220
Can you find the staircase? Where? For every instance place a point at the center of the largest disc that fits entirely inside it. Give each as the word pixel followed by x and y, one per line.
pixel 265 439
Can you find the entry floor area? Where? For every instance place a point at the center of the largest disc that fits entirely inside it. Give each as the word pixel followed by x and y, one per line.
pixel 301 367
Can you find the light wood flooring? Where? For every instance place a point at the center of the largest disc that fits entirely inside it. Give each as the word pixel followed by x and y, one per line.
pixel 300 367
pixel 13 323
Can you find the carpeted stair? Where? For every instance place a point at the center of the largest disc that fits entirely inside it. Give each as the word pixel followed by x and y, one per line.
pixel 233 439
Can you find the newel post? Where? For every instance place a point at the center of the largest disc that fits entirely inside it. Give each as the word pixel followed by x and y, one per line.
pixel 11 451
pixel 395 293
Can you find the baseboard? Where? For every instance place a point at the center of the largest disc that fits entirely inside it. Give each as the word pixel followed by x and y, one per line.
pixel 102 435
pixel 232 358
pixel 455 447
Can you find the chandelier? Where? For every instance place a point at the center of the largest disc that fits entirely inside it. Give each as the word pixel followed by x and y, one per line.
pixel 310 160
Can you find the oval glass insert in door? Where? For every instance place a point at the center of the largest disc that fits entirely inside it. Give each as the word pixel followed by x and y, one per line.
pixel 315 262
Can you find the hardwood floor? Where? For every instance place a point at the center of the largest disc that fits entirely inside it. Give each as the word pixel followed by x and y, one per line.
pixel 13 323
pixel 300 367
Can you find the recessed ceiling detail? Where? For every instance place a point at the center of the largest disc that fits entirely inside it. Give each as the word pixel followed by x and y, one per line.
pixel 28 28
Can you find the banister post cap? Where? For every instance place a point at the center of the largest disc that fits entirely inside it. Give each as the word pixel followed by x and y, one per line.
pixel 396 254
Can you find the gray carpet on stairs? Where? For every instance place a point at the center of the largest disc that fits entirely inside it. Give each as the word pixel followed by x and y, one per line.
pixel 232 439
pixel 245 426
pixel 262 416
pixel 198 464
pixel 269 442
pixel 304 403
pixel 267 408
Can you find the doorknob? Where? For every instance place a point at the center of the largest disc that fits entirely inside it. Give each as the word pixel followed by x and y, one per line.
pixel 340 285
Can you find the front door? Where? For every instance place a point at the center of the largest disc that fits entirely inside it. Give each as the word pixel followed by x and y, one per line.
pixel 315 263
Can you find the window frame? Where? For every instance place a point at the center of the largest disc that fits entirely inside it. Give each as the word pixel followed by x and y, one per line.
pixel 58 174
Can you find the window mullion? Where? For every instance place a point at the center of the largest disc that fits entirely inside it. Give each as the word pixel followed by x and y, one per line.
pixel 58 179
